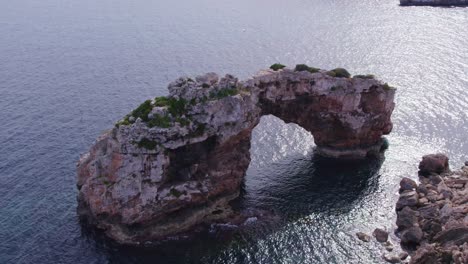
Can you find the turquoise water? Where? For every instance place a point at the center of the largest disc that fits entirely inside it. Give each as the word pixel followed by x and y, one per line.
pixel 70 69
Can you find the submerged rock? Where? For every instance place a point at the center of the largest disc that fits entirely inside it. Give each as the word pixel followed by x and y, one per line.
pixel 176 162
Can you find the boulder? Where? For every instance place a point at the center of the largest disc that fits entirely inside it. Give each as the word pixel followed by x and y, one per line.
pixel 407 198
pixel 406 184
pixel 391 258
pixel 380 234
pixel 412 235
pixel 406 218
pixel 363 236
pixel 434 163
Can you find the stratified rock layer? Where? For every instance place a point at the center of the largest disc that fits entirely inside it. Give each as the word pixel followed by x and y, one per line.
pixel 176 162
pixel 434 2
pixel 433 216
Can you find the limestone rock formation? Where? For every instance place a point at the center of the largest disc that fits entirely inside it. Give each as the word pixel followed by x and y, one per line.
pixel 436 222
pixel 175 162
pixel 434 2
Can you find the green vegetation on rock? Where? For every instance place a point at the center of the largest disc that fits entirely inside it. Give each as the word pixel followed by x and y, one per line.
pixel 143 110
pixel 147 144
pixel 177 193
pixel 387 87
pixel 277 66
pixel 223 93
pixel 339 73
pixel 159 121
pixel 367 76
pixel 304 67
pixel 175 106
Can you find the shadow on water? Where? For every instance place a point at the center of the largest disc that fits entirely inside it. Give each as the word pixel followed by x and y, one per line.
pixel 291 189
pixel 301 185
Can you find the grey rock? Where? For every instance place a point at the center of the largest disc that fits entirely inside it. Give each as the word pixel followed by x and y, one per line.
pixel 407 198
pixel 403 255
pixel 407 184
pixel 363 236
pixel 412 235
pixel 407 218
pixel 380 235
pixel 391 258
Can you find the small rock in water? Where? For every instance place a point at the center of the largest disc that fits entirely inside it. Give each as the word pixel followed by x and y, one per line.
pixel 380 234
pixel 363 236
pixel 391 258
pixel 388 246
pixel 403 255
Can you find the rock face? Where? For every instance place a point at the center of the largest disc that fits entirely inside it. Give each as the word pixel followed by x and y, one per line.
pixel 433 216
pixel 434 2
pixel 175 162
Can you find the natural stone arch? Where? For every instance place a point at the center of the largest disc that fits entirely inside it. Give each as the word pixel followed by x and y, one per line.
pixel 176 161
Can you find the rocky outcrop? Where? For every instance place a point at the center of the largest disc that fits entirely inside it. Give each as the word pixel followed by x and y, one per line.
pixel 434 2
pixel 175 162
pixel 433 216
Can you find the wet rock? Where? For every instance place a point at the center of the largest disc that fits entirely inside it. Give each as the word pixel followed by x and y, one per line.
pixel 407 198
pixel 391 258
pixel 434 163
pixel 412 235
pixel 406 184
pixel 363 236
pixel 388 246
pixel 407 218
pixel 403 255
pixel 380 234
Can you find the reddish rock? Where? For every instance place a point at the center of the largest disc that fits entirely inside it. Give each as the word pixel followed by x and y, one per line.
pixel 176 162
pixel 434 163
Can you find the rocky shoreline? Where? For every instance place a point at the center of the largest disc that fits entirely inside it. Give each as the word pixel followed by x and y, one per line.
pixel 176 162
pixel 434 2
pixel 432 216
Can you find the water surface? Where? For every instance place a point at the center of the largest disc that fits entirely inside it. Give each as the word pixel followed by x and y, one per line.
pixel 70 69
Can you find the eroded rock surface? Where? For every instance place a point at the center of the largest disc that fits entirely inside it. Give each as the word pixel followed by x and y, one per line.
pixel 176 162
pixel 433 216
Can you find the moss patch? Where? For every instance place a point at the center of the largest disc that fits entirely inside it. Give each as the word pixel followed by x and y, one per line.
pixel 339 73
pixel 277 66
pixel 367 76
pixel 143 110
pixel 387 87
pixel 177 193
pixel 159 121
pixel 147 144
pixel 304 67
pixel 223 93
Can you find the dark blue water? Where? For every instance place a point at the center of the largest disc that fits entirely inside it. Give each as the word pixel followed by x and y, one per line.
pixel 70 69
